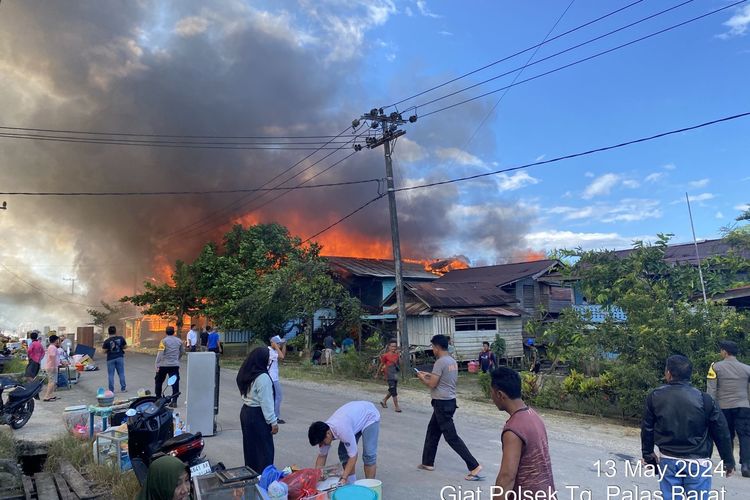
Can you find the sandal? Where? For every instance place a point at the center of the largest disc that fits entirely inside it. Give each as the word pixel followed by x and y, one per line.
pixel 397 410
pixel 53 398
pixel 428 468
pixel 384 404
pixel 473 477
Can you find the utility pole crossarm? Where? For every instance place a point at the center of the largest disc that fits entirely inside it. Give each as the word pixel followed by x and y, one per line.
pixel 389 124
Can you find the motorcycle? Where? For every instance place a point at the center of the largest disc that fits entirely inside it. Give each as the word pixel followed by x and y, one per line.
pixel 151 435
pixel 19 407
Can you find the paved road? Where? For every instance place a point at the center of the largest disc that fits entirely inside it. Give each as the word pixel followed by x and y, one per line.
pixel 576 443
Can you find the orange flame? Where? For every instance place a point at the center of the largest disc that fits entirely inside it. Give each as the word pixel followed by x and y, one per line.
pixel 529 255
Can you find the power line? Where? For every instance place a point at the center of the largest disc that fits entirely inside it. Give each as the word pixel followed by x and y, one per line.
pixel 511 56
pixel 228 208
pixel 350 214
pixel 574 63
pixel 43 292
pixel 172 136
pixel 517 75
pixel 556 54
pixel 576 155
pixel 186 193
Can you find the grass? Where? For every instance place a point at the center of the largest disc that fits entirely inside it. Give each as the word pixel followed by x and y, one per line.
pixel 14 365
pixel 78 452
pixel 7 445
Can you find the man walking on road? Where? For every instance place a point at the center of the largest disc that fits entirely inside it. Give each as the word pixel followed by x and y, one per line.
pixel 728 383
pixel 276 353
pixel 684 423
pixel 192 339
pixel 389 367
pixel 442 384
pixel 526 468
pixel 168 357
pixel 115 346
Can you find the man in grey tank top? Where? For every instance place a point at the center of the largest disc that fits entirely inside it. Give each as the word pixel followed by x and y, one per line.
pixel 728 382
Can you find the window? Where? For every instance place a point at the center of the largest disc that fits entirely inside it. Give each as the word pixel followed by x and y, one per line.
pixel 486 324
pixel 528 296
pixel 475 324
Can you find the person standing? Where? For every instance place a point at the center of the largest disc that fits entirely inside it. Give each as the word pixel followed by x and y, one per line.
pixel 442 384
pixel 51 361
pixel 276 353
pixel 354 420
pixel 34 354
pixel 684 423
pixel 526 468
pixel 728 384
pixel 204 338
pixel 168 357
pixel 66 344
pixel 487 361
pixel 192 339
pixel 389 367
pixel 214 342
pixel 115 346
pixel 329 342
pixel 257 418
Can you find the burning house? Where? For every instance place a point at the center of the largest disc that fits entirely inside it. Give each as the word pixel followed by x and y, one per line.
pixel 470 313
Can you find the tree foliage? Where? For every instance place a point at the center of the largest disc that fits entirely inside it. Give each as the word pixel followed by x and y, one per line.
pixel 110 314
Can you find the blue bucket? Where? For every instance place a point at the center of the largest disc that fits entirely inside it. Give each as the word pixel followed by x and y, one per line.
pixel 354 492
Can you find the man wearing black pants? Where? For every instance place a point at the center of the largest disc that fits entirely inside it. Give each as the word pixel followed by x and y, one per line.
pixel 168 357
pixel 727 383
pixel 442 384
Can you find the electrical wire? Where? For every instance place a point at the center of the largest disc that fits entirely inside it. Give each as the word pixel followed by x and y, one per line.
pixel 574 63
pixel 577 155
pixel 511 56
pixel 350 214
pixel 517 75
pixel 44 292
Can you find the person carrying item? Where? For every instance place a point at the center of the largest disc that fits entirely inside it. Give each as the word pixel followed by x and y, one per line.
pixel 442 384
pixel 115 346
pixel 389 367
pixel 168 479
pixel 526 468
pixel 728 384
pixel 684 423
pixel 347 424
pixel 34 354
pixel 257 418
pixel 168 357
pixel 276 353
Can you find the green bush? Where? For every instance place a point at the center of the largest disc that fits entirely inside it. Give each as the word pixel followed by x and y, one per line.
pixel 498 347
pixel 529 385
pixel 485 380
pixel 14 365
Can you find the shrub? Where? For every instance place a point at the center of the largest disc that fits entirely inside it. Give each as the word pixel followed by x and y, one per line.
pixel 498 347
pixel 485 381
pixel 529 385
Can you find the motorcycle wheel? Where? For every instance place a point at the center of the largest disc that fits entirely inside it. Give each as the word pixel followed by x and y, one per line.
pixel 22 415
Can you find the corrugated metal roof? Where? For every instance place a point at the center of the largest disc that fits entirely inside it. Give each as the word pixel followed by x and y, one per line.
pixel 685 252
pixel 380 268
pixel 452 295
pixel 499 275
pixel 481 311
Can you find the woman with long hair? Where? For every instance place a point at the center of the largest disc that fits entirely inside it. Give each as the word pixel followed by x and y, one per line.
pixel 257 417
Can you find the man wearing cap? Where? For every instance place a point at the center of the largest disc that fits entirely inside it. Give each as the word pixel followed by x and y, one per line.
pixel 728 382
pixel 276 352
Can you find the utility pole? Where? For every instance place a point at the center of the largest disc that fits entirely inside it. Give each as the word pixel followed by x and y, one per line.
pixel 72 284
pixel 697 253
pixel 388 124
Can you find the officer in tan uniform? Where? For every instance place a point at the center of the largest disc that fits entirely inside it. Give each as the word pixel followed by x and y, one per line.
pixel 729 384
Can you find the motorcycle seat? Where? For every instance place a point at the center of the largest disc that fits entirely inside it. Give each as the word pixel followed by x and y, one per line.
pixel 24 392
pixel 183 438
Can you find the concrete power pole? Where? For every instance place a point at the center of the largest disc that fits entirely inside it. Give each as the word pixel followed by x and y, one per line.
pixel 389 124
pixel 72 284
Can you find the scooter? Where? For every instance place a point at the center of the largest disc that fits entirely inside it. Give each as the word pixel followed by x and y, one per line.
pixel 151 435
pixel 19 407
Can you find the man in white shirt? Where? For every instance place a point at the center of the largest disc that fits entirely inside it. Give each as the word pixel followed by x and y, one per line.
pixel 192 339
pixel 276 353
pixel 347 424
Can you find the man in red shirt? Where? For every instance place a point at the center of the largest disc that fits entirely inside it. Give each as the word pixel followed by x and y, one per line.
pixel 526 468
pixel 35 353
pixel 389 367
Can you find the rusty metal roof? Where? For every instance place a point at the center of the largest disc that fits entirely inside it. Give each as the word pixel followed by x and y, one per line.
pixel 500 275
pixel 685 252
pixel 482 311
pixel 438 295
pixel 379 268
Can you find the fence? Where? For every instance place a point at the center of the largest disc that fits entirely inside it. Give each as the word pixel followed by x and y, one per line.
pixel 236 336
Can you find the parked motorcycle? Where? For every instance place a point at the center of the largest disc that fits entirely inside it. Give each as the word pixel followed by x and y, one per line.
pixel 19 406
pixel 151 435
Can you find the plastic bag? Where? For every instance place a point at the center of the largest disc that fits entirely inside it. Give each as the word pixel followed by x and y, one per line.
pixel 302 483
pixel 269 475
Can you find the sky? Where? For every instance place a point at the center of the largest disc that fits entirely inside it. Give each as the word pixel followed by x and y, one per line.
pixel 236 67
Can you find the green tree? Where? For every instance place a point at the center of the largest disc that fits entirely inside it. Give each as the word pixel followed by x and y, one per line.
pixel 109 314
pixel 170 300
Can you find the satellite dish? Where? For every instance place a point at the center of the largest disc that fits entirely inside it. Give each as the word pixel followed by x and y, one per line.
pixel 172 380
pixel 131 413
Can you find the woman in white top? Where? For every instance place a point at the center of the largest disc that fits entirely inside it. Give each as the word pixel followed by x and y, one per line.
pixel 257 418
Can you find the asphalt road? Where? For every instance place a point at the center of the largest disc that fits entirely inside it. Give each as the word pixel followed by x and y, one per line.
pixel 576 443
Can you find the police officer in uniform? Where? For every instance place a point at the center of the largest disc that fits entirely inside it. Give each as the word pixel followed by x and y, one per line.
pixel 728 383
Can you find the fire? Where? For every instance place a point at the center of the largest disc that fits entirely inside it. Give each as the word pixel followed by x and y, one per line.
pixel 337 242
pixel 529 255
pixel 441 266
pixel 163 270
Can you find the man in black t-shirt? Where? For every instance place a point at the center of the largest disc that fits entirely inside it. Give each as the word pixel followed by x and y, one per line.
pixel 115 346
pixel 204 338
